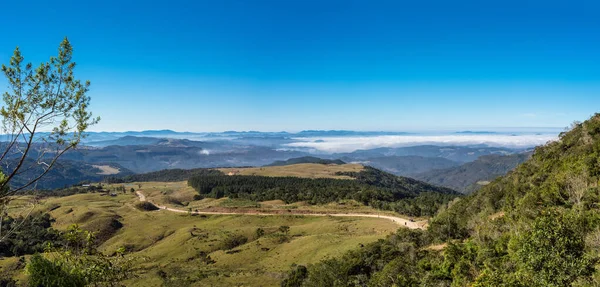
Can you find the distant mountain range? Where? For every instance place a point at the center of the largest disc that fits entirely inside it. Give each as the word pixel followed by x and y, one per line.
pixel 159 150
pixel 408 165
pixel 471 176
pixel 106 136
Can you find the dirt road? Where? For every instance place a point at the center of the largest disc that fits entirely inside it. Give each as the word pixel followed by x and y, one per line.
pixel 398 220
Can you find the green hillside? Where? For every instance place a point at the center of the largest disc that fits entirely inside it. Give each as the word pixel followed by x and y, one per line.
pixel 67 173
pixel 536 226
pixel 471 176
pixel 409 165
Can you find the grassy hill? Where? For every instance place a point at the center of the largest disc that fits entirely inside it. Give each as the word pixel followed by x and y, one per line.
pixel 174 249
pixel 170 248
pixel 537 226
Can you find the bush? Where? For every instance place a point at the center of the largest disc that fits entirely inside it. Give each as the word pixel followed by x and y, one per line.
pixel 30 234
pixel 146 206
pixel 43 272
pixel 260 232
pixel 233 241
pixel 78 263
pixel 295 277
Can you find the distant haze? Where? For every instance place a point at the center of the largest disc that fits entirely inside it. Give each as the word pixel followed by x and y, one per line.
pixel 340 141
pixel 350 144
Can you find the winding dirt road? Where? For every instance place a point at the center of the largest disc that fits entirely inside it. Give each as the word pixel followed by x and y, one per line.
pixel 398 220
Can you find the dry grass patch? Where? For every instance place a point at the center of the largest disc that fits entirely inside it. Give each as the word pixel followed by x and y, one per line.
pixel 106 169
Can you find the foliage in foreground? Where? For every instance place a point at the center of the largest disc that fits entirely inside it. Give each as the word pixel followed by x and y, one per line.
pixel 78 263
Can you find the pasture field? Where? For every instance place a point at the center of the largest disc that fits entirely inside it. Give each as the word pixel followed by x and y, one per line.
pixel 195 250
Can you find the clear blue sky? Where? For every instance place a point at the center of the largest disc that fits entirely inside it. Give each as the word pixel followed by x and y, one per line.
pixel 307 64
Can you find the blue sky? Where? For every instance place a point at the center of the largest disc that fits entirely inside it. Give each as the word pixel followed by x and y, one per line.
pixel 294 65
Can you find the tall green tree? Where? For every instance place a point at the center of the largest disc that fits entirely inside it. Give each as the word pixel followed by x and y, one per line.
pixel 45 113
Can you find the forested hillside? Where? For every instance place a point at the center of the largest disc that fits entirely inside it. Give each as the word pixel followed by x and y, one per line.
pixel 306 159
pixel 471 176
pixel 536 226
pixel 371 187
pixel 66 173
pixel 165 175
pixel 409 165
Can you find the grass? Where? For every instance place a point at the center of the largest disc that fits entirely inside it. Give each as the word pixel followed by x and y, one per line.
pixel 172 249
pixel 305 170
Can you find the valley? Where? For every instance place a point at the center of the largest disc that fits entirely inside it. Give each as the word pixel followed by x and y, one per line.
pixel 173 244
pixel 175 232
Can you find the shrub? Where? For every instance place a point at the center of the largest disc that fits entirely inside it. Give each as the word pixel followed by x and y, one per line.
pixel 260 232
pixel 233 241
pixel 146 206
pixel 43 272
pixel 295 277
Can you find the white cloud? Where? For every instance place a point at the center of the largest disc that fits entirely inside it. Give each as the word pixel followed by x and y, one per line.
pixel 349 144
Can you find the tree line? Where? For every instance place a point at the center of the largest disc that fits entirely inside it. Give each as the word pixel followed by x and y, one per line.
pixel 371 187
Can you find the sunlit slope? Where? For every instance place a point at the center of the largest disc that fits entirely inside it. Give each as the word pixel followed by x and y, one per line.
pixel 178 244
pixel 304 170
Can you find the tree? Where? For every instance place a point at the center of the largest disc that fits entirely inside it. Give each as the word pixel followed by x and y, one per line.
pixel 260 232
pixel 576 187
pixel 552 253
pixel 295 277
pixel 284 229
pixel 45 114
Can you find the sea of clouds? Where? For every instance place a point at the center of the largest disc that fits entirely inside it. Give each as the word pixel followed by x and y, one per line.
pixel 350 144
